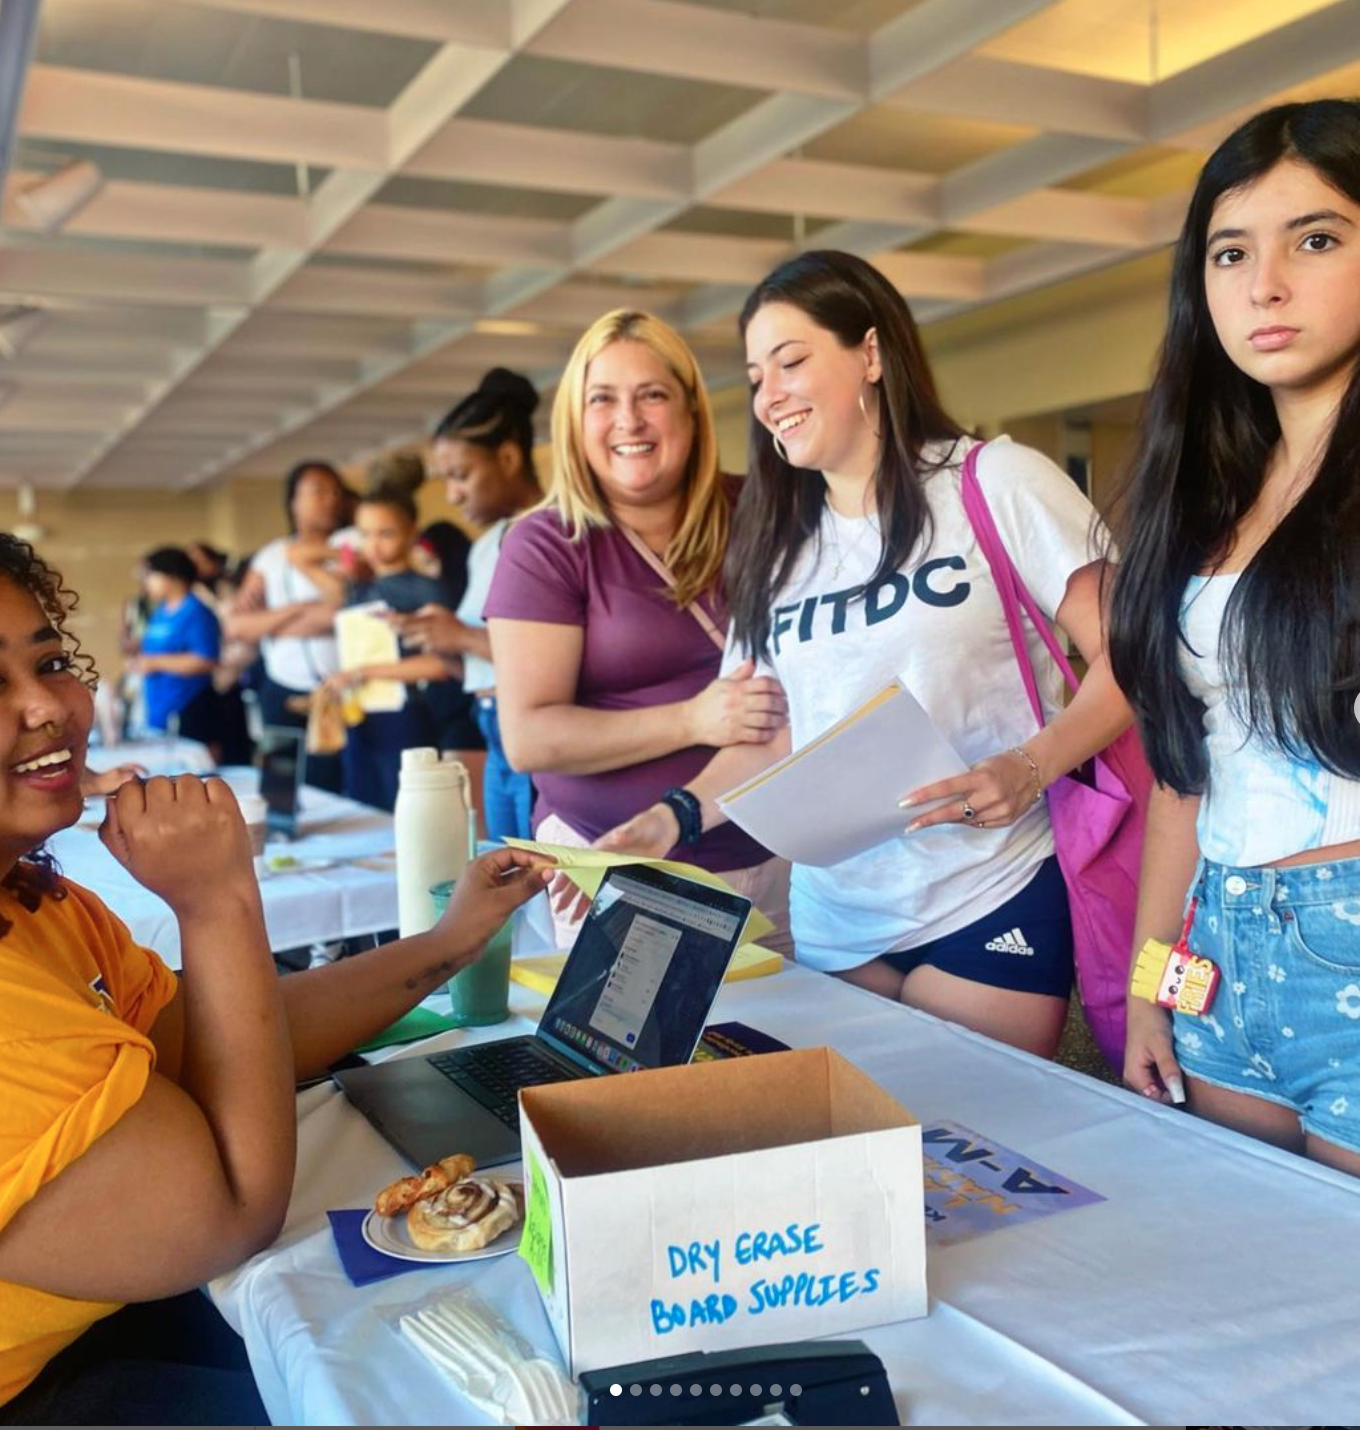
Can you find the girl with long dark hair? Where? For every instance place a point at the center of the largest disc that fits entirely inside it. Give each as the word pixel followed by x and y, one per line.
pixel 852 561
pixel 1235 630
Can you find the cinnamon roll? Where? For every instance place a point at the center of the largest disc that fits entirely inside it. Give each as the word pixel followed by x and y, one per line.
pixel 467 1216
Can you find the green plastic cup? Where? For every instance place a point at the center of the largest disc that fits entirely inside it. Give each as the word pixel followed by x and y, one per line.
pixel 480 993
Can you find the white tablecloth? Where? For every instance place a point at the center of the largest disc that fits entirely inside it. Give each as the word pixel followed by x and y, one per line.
pixel 166 756
pixel 1218 1281
pixel 301 907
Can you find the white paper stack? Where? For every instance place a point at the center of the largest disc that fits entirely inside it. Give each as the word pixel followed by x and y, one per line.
pixel 837 796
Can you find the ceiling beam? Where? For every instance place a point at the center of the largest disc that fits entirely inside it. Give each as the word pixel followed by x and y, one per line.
pixel 175 213
pixel 931 34
pixel 1068 216
pixel 330 289
pixel 692 257
pixel 822 189
pixel 29 272
pixel 1007 92
pixel 443 236
pixel 695 42
pixel 1196 108
pixel 462 22
pixel 1218 88
pixel 530 156
pixel 83 106
pixel 446 82
pixel 934 275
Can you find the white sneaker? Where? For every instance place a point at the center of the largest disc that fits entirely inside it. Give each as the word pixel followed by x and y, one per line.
pixel 321 954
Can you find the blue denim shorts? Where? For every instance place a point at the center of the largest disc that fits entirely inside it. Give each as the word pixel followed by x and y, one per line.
pixel 1285 1023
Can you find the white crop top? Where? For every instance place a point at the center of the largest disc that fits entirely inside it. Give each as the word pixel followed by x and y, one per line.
pixel 1260 804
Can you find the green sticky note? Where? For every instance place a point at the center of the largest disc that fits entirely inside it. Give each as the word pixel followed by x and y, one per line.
pixel 535 1245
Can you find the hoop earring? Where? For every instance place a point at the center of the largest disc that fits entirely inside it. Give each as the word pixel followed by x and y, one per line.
pixel 782 450
pixel 864 413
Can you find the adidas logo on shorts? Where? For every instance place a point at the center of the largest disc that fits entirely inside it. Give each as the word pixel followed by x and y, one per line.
pixel 1010 942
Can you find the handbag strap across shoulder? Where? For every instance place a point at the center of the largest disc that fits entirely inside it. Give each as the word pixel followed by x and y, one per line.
pixel 706 622
pixel 1015 597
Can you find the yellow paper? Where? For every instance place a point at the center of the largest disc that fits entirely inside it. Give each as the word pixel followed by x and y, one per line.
pixel 364 638
pixel 535 1245
pixel 586 869
pixel 541 973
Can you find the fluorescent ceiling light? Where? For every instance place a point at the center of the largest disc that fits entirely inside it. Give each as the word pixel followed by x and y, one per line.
pixel 49 202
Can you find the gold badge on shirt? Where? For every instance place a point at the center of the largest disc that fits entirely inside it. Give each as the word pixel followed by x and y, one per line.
pixel 99 991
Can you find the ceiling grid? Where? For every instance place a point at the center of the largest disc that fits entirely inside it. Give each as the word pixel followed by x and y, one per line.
pixel 485 176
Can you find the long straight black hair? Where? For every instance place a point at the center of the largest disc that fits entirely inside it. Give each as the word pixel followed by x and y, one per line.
pixel 781 506
pixel 1291 635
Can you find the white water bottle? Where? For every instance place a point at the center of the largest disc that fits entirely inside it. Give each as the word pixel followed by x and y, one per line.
pixel 432 820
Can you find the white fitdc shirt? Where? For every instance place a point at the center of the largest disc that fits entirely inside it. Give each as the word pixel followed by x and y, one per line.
pixel 938 624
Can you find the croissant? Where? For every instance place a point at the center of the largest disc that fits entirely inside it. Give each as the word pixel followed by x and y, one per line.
pixel 405 1192
pixel 467 1216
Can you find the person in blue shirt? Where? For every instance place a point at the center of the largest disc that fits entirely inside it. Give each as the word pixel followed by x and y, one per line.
pixel 179 648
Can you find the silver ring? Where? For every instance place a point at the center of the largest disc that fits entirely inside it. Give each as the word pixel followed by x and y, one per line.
pixel 969 813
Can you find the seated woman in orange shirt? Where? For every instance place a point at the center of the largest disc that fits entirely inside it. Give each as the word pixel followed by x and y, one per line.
pixel 147 1123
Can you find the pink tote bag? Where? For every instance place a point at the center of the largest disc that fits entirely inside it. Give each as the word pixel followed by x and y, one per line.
pixel 1098 811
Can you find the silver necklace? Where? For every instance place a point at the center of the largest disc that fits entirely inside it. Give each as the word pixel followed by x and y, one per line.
pixel 841 557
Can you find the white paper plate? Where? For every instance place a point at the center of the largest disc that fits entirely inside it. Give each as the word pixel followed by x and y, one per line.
pixel 389 1235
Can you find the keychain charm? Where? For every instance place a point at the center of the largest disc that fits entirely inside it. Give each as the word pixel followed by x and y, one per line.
pixel 1171 975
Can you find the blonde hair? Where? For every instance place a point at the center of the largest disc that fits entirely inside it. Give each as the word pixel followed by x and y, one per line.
pixel 695 554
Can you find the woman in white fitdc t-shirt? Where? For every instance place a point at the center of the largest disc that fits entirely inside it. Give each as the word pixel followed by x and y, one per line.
pixel 852 562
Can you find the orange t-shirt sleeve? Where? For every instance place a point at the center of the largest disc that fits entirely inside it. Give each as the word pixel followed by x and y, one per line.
pixel 64 1094
pixel 71 1067
pixel 140 982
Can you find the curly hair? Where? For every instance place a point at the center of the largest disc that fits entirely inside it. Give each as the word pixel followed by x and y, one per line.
pixel 37 873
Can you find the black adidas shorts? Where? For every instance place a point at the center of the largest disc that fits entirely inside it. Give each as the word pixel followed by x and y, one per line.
pixel 1025 945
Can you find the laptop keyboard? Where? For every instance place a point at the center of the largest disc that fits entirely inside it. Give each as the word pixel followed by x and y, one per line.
pixel 493 1073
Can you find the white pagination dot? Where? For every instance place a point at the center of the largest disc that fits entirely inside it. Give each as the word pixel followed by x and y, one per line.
pixel 616 1390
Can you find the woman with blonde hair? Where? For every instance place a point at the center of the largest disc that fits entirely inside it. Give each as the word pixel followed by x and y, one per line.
pixel 607 614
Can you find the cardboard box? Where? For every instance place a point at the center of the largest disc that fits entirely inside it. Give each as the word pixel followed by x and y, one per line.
pixel 721 1205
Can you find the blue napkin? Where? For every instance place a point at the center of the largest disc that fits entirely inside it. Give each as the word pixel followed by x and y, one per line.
pixel 362 1264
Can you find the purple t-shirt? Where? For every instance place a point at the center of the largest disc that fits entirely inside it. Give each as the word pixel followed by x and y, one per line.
pixel 640 650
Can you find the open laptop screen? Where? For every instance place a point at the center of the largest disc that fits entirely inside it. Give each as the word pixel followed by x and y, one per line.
pixel 645 970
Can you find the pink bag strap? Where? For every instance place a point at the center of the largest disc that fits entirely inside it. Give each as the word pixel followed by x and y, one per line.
pixel 1014 595
pixel 708 624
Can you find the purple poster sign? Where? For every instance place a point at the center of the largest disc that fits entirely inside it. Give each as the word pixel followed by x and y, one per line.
pixel 975 1185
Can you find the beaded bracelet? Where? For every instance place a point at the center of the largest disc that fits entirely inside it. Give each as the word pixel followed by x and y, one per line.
pixel 688 814
pixel 1033 769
